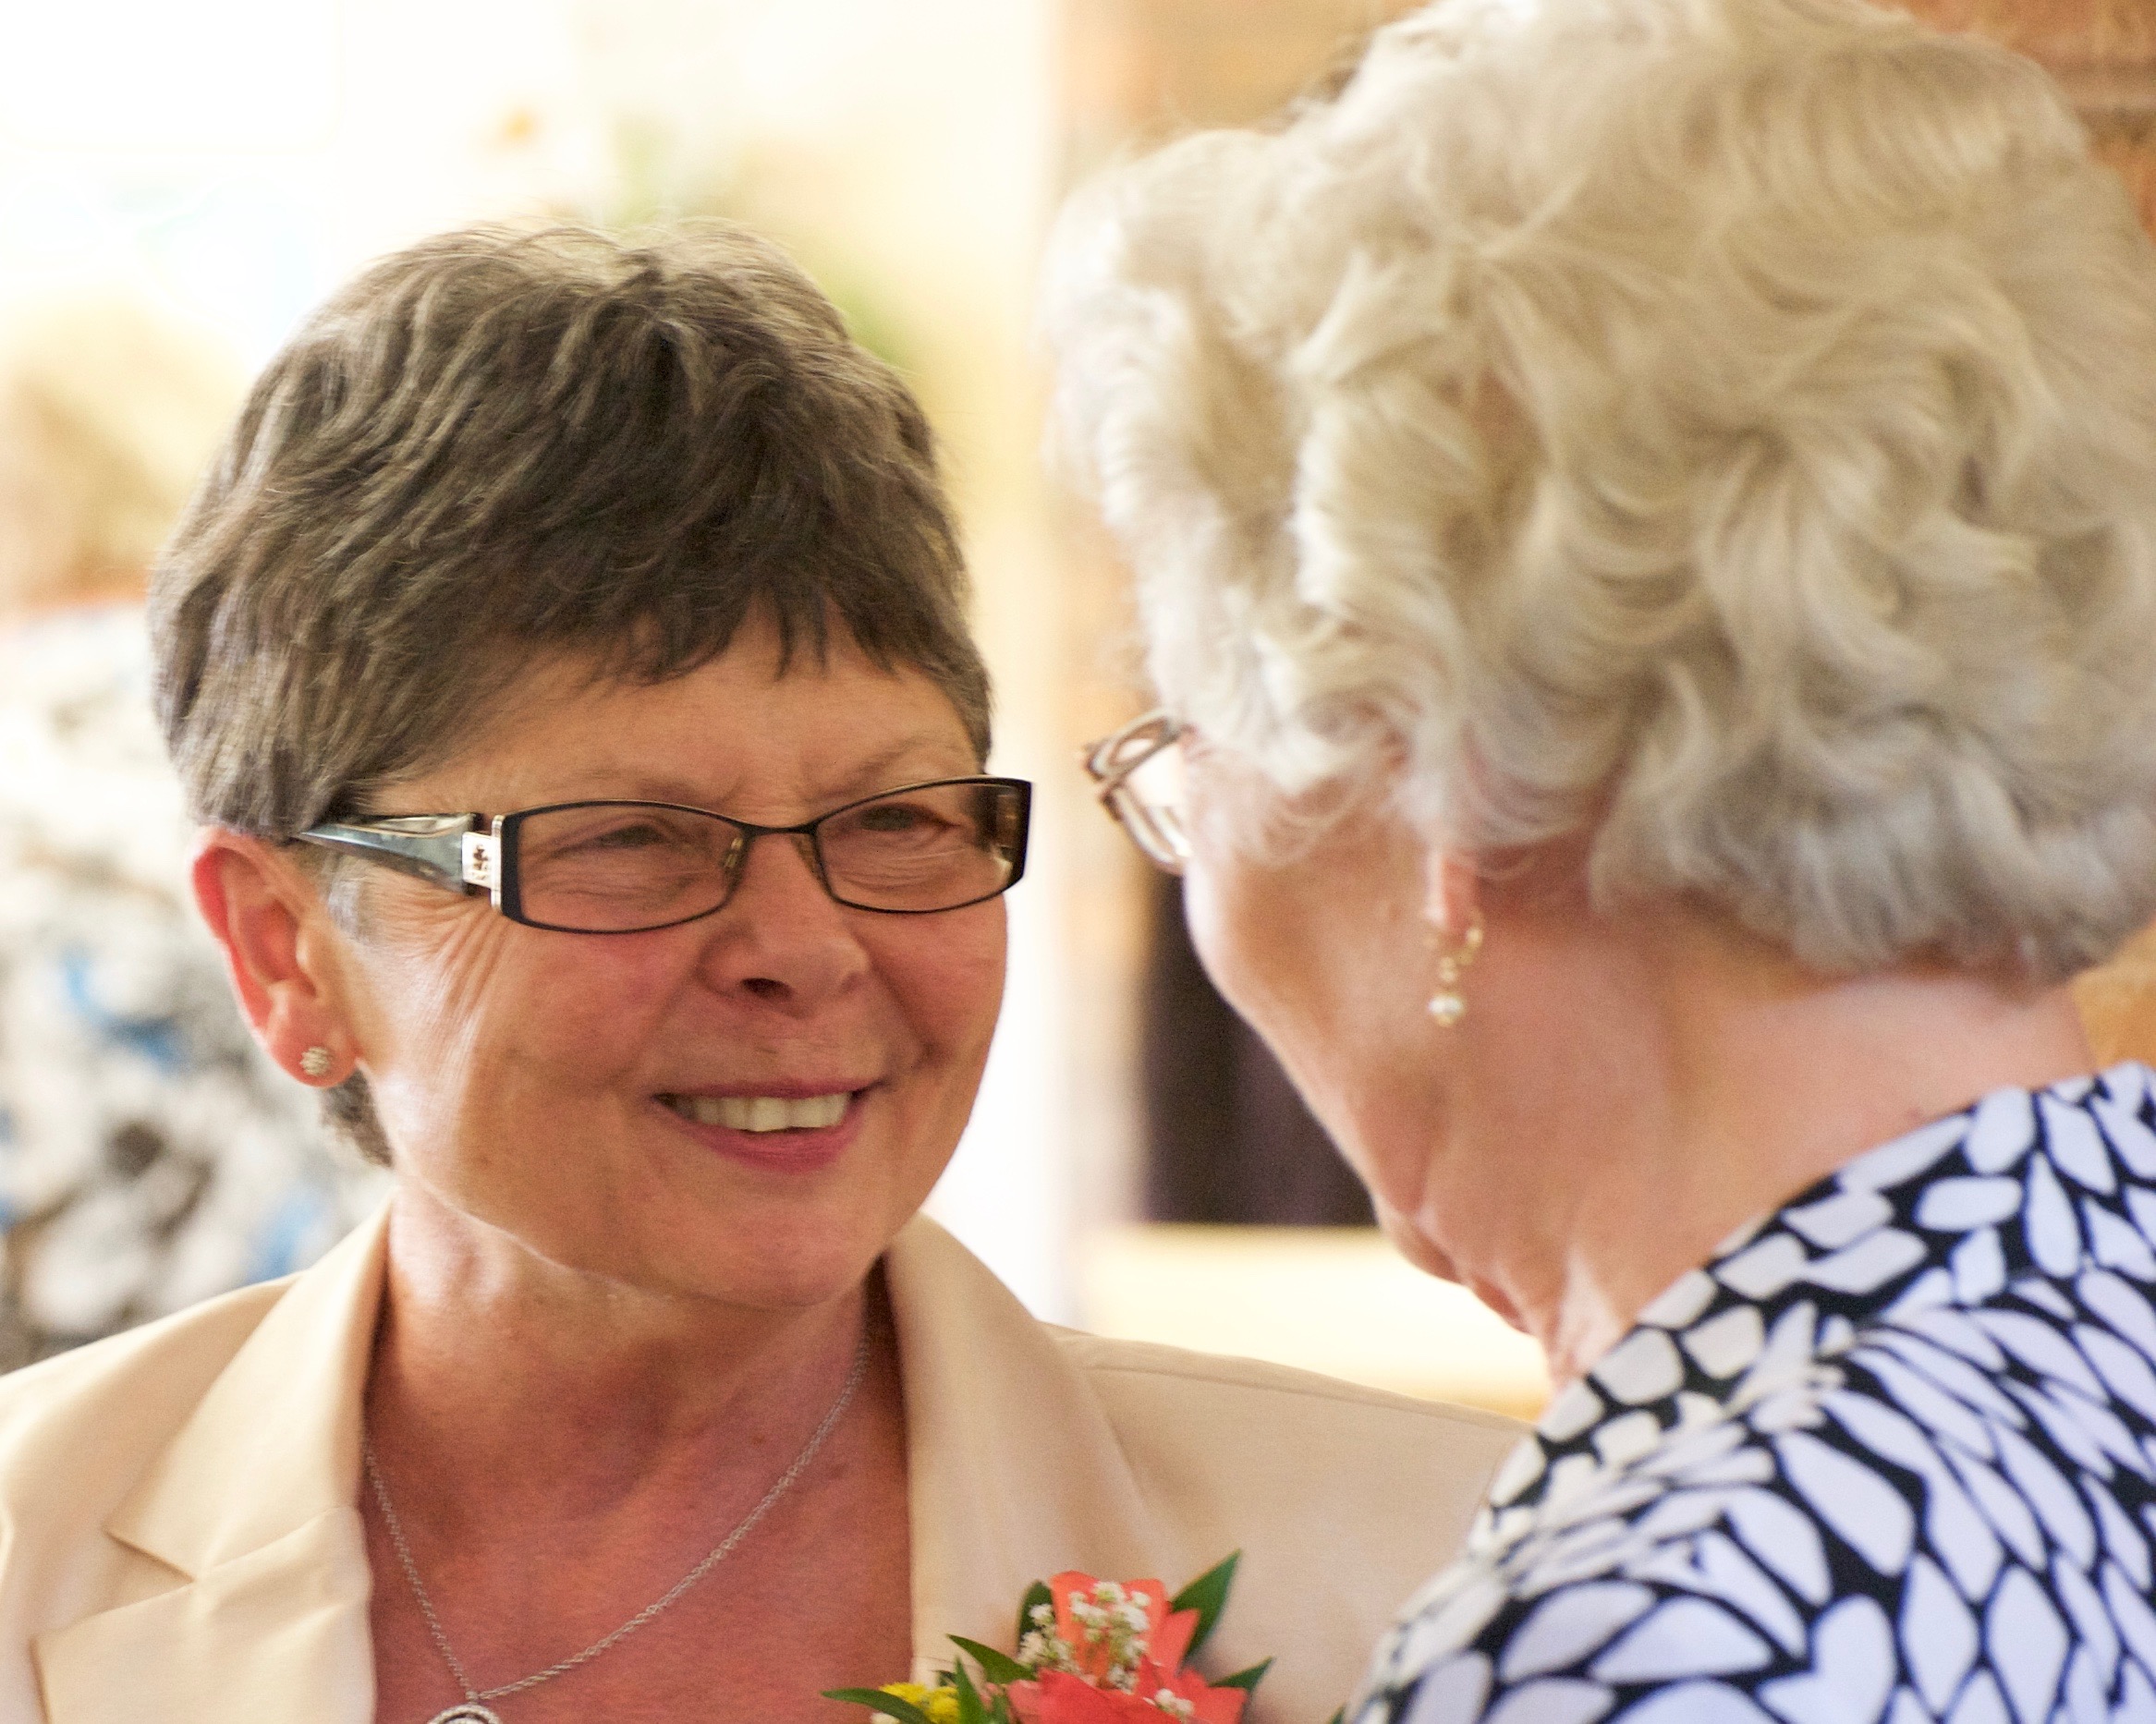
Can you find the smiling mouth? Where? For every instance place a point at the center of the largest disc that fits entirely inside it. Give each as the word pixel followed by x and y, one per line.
pixel 763 1113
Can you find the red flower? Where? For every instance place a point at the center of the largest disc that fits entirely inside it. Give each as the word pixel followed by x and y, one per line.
pixel 1060 1697
pixel 1167 1635
pixel 1067 1699
pixel 1208 1704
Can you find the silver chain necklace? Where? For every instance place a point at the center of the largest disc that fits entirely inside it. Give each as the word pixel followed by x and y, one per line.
pixel 473 1709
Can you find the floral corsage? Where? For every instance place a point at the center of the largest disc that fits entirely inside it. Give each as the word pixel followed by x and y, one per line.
pixel 1090 1652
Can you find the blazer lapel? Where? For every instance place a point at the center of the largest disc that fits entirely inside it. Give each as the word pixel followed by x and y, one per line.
pixel 251 1507
pixel 280 1632
pixel 1012 1470
pixel 1014 1473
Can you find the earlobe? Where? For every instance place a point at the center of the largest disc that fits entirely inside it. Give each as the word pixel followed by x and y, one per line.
pixel 268 918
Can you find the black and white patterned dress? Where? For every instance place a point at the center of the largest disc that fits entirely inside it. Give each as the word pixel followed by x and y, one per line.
pixel 1890 1455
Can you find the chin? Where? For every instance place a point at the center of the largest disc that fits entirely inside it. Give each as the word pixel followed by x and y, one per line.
pixel 1414 1244
pixel 790 1262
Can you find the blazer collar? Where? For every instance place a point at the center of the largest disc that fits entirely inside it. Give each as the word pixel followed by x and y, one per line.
pixel 1012 1470
pixel 253 1503
pixel 1014 1473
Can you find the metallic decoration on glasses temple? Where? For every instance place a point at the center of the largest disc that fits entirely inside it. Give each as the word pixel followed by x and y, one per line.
pixel 473 1709
pixel 1448 1005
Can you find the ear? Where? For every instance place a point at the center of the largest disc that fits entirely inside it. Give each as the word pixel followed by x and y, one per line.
pixel 1452 891
pixel 280 951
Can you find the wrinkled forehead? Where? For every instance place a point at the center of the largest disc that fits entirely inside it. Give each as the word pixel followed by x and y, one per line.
pixel 779 725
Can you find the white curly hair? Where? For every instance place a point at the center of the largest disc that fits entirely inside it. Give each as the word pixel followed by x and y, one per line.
pixel 1727 427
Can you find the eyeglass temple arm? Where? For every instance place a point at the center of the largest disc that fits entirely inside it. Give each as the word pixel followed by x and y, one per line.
pixel 447 849
pixel 1106 772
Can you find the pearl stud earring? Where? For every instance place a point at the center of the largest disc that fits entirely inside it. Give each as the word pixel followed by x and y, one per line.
pixel 315 1061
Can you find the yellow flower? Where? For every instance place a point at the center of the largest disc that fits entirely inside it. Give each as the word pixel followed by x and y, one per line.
pixel 941 1705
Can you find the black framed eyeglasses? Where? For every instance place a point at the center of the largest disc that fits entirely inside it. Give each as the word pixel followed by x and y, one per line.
pixel 1138 775
pixel 628 867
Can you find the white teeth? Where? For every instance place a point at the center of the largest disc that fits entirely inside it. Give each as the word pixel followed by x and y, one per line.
pixel 763 1113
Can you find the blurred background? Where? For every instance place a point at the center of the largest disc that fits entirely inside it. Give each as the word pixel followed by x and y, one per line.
pixel 181 179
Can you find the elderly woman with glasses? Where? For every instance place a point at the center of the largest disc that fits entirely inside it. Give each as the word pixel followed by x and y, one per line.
pixel 565 656
pixel 1645 513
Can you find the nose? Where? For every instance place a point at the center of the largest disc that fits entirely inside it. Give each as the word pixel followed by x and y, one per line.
pixel 781 937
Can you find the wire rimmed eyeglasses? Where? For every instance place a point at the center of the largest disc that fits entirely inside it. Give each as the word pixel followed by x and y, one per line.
pixel 1138 773
pixel 619 866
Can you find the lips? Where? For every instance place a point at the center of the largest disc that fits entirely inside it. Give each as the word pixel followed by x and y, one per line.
pixel 806 1128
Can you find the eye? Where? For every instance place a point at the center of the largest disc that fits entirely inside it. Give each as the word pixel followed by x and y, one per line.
pixel 595 838
pixel 631 835
pixel 607 835
pixel 898 817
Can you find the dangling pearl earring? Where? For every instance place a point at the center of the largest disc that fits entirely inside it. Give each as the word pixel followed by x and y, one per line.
pixel 1448 1005
pixel 316 1061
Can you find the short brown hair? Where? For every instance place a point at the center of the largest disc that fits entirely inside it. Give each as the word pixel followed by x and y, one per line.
pixel 498 442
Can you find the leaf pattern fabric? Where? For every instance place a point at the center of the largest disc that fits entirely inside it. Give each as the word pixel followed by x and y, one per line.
pixel 1889 1457
pixel 150 1155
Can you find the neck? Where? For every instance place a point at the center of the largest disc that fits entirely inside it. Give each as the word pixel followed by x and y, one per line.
pixel 1629 1101
pixel 591 1391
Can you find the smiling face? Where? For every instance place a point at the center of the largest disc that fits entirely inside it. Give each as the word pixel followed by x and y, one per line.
pixel 745 1108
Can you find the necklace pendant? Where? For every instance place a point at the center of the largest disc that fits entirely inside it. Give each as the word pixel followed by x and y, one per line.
pixel 467 1712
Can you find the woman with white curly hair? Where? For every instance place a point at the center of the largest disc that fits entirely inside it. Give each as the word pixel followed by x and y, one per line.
pixel 1645 513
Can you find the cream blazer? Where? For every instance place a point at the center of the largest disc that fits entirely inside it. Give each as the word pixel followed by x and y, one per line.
pixel 180 1541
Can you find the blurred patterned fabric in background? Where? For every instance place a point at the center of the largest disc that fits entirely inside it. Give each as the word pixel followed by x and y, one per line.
pixel 150 1156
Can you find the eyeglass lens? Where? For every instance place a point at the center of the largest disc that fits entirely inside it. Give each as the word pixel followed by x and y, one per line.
pixel 616 868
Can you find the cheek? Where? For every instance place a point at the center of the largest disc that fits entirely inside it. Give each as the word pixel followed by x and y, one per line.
pixel 466 1003
pixel 1258 947
pixel 1332 985
pixel 1247 937
pixel 421 973
pixel 946 975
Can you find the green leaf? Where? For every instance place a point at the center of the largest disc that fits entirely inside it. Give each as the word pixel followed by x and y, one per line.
pixel 892 1705
pixel 1339 1715
pixel 1248 1681
pixel 1208 1595
pixel 998 1666
pixel 1036 1594
pixel 970 1710
pixel 999 1710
